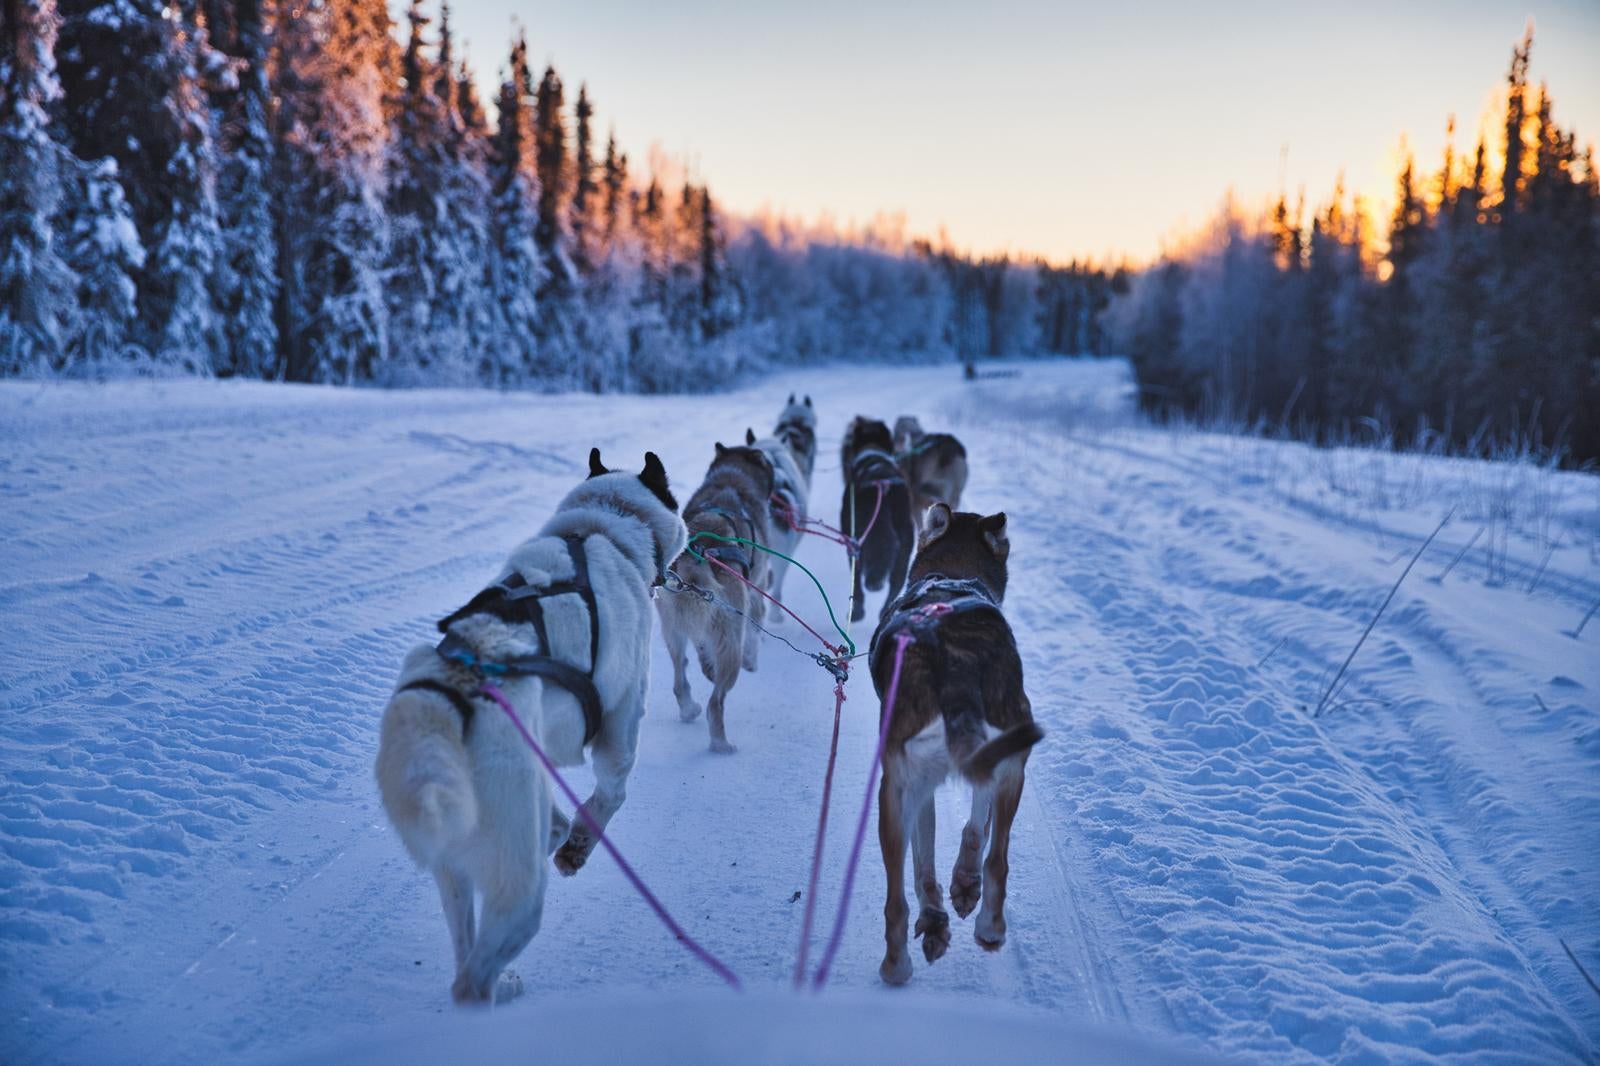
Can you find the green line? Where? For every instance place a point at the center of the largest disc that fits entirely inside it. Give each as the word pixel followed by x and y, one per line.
pixel 792 562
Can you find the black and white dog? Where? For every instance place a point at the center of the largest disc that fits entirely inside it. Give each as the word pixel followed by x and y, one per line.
pixel 565 634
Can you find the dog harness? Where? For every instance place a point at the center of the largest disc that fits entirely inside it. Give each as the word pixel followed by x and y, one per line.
pixel 921 607
pixel 871 465
pixel 514 600
pixel 732 554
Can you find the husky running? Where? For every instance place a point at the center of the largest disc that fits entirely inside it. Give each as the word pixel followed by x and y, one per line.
pixel 960 708
pixel 564 632
pixel 934 465
pixel 734 502
pixel 876 510
pixel 791 491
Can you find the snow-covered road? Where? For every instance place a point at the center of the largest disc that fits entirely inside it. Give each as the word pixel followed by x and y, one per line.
pixel 206 589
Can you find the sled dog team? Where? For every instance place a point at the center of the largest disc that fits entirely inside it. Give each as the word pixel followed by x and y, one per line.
pixel 563 632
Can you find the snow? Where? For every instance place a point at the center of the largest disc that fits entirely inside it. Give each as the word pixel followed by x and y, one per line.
pixel 207 587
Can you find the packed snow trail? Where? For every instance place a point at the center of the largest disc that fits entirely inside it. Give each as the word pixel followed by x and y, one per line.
pixel 207 588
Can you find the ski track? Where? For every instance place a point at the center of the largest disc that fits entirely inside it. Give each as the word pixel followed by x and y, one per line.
pixel 210 587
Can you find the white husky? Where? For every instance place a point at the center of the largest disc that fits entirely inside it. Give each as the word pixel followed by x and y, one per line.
pixel 793 450
pixel 468 798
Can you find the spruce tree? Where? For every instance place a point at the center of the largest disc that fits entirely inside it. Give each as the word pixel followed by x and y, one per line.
pixel 247 275
pixel 336 96
pixel 516 268
pixel 103 249
pixel 583 187
pixel 36 287
pixel 132 71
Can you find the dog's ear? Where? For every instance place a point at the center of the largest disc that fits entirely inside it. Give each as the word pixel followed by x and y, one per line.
pixel 791 398
pixel 935 523
pixel 596 467
pixel 993 528
pixel 721 448
pixel 654 478
pixel 749 436
pixel 808 401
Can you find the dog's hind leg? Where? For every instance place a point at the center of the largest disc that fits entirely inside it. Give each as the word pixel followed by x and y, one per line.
pixel 455 895
pixel 752 635
pixel 725 663
pixel 933 924
pixel 511 917
pixel 677 650
pixel 966 880
pixel 896 966
pixel 990 928
pixel 612 756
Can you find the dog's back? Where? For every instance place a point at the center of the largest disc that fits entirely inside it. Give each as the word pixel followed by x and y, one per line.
pixel 797 428
pixel 876 509
pixel 934 465
pixel 962 670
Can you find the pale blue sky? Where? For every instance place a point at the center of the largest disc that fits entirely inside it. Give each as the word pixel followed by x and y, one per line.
pixel 1066 129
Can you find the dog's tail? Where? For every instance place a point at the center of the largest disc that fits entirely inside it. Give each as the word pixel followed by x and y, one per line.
pixel 423 774
pixel 978 759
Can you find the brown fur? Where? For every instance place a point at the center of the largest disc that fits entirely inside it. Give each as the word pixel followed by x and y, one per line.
pixel 962 672
pixel 739 481
pixel 934 465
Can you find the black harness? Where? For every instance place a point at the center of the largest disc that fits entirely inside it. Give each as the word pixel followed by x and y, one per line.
pixel 514 600
pixel 871 464
pixel 733 554
pixel 921 608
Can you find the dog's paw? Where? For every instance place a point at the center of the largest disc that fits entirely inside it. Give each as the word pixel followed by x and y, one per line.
pixel 467 993
pixel 507 987
pixel 858 612
pixel 688 710
pixel 895 971
pixel 722 747
pixel 571 856
pixel 990 933
pixel 933 929
pixel 966 888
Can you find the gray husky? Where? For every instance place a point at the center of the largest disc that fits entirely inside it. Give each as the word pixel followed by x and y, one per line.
pixel 731 509
pixel 791 491
pixel 934 465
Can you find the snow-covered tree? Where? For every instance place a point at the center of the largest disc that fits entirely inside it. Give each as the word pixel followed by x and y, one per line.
pixel 516 267
pixel 247 274
pixel 103 249
pixel 337 71
pixel 36 287
pixel 133 71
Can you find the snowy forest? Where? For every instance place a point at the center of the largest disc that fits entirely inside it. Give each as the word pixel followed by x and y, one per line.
pixel 309 192
pixel 1471 321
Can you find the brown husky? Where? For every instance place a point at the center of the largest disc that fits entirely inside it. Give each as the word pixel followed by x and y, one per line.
pixel 960 707
pixel 733 502
pixel 934 464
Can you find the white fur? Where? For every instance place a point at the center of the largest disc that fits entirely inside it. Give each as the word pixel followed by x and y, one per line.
pixel 789 482
pixel 476 811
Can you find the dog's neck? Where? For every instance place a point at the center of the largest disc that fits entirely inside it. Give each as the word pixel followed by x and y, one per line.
pixel 637 541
